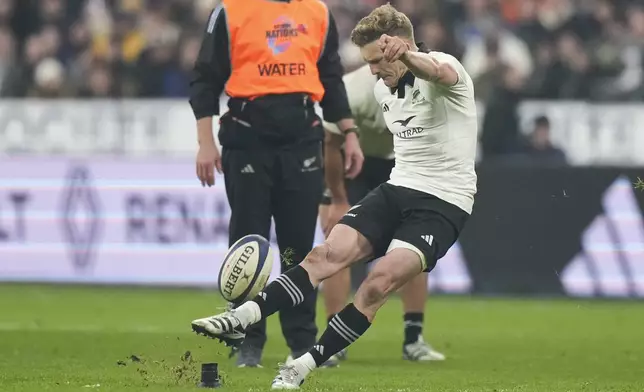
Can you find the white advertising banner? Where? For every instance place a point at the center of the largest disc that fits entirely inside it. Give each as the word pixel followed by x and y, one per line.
pixel 126 221
pixel 590 134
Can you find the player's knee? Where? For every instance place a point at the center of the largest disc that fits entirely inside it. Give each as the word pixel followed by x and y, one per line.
pixel 376 288
pixel 320 254
pixel 320 262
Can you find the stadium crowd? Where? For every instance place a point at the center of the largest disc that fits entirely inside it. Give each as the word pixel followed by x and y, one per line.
pixel 550 49
pixel 514 49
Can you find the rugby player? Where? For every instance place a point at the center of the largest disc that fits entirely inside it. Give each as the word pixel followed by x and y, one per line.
pixel 410 222
pixel 377 145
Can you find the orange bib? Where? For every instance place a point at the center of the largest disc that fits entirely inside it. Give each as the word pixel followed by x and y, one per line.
pixel 275 47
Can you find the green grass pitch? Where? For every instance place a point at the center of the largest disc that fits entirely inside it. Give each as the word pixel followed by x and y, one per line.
pixel 77 338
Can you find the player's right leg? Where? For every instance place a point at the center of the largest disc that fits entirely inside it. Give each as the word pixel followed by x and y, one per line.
pixel 392 271
pixel 343 247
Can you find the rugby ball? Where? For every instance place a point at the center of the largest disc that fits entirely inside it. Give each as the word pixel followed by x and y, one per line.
pixel 246 269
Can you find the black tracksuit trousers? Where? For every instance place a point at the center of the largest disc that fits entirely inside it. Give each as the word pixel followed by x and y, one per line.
pixel 286 186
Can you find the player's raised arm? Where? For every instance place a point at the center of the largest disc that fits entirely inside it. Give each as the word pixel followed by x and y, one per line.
pixel 425 66
pixel 422 65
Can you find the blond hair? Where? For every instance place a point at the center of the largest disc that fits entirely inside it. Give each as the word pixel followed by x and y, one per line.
pixel 383 20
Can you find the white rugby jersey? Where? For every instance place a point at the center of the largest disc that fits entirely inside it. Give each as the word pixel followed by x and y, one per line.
pixel 375 139
pixel 435 134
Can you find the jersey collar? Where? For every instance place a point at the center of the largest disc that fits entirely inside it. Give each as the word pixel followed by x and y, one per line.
pixel 408 78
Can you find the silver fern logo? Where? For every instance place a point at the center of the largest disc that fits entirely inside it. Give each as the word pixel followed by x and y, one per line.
pixel 611 263
pixel 80 217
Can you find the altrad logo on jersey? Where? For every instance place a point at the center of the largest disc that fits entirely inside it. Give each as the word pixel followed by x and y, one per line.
pixel 408 133
pixel 403 123
pixel 279 39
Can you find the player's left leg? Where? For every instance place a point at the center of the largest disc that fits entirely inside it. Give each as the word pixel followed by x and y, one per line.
pixel 393 270
pixel 414 295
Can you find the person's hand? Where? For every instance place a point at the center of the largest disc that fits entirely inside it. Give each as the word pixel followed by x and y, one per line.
pixel 393 48
pixel 353 157
pixel 333 216
pixel 208 158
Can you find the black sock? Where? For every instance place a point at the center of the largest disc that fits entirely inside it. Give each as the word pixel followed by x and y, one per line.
pixel 328 319
pixel 413 327
pixel 343 329
pixel 288 290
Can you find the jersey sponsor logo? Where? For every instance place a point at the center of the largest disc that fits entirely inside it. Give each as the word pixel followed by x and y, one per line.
pixel 403 123
pixel 282 69
pixel 411 133
pixel 279 38
pixel 611 262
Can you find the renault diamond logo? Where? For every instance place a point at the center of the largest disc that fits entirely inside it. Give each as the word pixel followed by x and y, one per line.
pixel 80 217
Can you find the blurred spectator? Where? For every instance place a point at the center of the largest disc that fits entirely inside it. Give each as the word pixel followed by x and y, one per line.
pixel 49 79
pixel 99 83
pixel 500 129
pixel 557 49
pixel 7 59
pixel 540 149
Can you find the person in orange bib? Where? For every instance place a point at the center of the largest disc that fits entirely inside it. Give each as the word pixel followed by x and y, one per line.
pixel 275 60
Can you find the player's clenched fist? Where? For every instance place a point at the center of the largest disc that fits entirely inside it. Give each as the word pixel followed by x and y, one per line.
pixel 393 48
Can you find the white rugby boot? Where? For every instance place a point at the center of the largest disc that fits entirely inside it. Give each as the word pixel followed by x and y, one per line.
pixel 289 377
pixel 292 374
pixel 229 327
pixel 225 327
pixel 421 351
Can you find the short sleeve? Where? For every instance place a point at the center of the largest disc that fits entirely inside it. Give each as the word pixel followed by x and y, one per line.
pixel 463 85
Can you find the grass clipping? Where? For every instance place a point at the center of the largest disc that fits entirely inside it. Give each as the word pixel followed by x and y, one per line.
pixel 639 184
pixel 185 372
